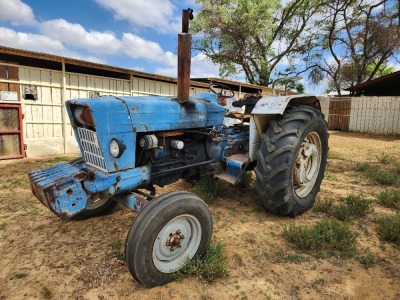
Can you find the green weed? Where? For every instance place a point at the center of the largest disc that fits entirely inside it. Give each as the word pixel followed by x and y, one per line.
pixel 387 159
pixel 20 275
pixel 356 205
pixel 387 176
pixel 208 188
pixel 317 283
pixel 3 226
pixel 58 159
pixel 16 182
pixel 212 266
pixel 352 206
pixel 367 260
pixel 334 155
pixel 363 167
pixel 323 206
pixel 117 251
pixel 284 257
pixel 389 228
pixel 384 177
pixel 327 237
pixel 390 198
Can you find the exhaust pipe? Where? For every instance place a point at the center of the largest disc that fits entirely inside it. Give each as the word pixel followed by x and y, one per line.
pixel 184 57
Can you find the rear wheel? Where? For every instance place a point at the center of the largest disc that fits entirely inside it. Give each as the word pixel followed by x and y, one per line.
pixel 291 161
pixel 171 229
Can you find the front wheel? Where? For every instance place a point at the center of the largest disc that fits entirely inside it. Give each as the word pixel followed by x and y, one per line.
pixel 291 161
pixel 171 229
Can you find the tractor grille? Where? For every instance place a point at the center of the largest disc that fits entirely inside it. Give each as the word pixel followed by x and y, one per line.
pixel 91 149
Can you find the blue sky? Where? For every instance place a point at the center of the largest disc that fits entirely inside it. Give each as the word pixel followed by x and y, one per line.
pixel 135 34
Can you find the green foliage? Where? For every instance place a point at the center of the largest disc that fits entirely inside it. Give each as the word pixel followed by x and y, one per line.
pixel 58 159
pixel 208 188
pixel 390 198
pixel 118 251
pixel 387 176
pixel 387 159
pixel 327 236
pixel 389 228
pixel 367 260
pixel 253 36
pixel 334 155
pixel 356 205
pixel 352 206
pixel 363 167
pixel 208 268
pixel 284 257
pixel 359 38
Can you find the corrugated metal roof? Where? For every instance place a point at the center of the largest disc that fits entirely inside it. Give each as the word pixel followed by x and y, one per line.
pixel 388 85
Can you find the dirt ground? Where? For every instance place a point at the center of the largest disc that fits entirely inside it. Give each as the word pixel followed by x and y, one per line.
pixel 43 257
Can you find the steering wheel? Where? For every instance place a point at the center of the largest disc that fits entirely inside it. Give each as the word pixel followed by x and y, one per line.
pixel 223 90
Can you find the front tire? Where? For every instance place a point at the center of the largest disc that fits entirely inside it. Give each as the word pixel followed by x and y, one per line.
pixel 291 161
pixel 171 229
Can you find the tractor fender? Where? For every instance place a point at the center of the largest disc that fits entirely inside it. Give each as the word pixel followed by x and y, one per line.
pixel 273 105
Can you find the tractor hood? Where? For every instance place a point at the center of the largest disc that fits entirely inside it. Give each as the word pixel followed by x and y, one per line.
pixel 143 113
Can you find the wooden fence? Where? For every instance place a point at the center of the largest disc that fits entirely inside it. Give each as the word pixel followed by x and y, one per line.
pixel 379 115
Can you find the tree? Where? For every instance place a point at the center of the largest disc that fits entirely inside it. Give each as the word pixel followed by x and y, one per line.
pixel 254 36
pixel 356 41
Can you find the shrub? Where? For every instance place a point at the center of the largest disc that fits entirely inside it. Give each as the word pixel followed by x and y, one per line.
pixel 323 206
pixel 386 159
pixel 367 260
pixel 356 205
pixel 212 266
pixel 379 175
pixel 352 206
pixel 389 228
pixel 390 198
pixel 329 236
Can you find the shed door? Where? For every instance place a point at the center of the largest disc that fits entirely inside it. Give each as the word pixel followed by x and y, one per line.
pixel 11 138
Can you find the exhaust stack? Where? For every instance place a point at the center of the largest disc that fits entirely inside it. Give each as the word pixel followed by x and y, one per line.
pixel 184 57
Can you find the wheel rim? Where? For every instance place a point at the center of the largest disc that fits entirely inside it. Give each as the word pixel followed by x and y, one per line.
pixel 96 203
pixel 308 161
pixel 178 240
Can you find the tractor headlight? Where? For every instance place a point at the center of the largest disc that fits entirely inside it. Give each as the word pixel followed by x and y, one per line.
pixel 116 148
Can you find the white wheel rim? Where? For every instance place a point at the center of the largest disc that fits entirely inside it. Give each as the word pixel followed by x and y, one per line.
pixel 178 240
pixel 307 165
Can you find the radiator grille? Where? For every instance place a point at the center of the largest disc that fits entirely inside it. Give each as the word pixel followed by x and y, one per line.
pixel 91 149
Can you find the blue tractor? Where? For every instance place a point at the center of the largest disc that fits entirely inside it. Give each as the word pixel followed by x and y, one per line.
pixel 129 145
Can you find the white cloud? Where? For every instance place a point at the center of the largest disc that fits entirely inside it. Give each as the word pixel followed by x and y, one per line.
pixel 16 12
pixel 39 43
pixel 76 35
pixel 159 15
pixel 30 41
pixel 137 47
